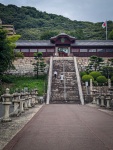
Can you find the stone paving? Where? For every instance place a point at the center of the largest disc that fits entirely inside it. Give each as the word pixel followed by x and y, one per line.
pixel 10 129
pixel 66 127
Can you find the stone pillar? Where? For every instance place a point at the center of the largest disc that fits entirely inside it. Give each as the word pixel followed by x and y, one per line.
pixel 16 102
pixel 7 102
pixel 69 51
pixel 109 83
pixel 56 51
pixel 91 86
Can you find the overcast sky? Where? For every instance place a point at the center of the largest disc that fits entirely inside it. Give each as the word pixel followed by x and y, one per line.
pixel 80 10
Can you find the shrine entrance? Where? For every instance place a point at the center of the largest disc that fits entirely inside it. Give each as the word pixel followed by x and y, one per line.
pixel 63 51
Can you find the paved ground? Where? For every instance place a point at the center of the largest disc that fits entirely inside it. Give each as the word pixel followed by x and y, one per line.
pixel 66 127
pixel 10 129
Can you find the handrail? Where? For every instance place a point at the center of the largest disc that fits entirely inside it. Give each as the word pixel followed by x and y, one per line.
pixel 49 80
pixel 79 82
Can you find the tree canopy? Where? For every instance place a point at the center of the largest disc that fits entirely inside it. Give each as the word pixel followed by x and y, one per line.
pixel 31 24
pixel 7 54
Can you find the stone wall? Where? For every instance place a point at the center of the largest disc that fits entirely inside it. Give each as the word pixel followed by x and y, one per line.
pixel 24 66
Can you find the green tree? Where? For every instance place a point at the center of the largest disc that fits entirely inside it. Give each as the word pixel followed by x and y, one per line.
pixel 95 62
pixel 7 46
pixel 110 36
pixel 48 34
pixel 40 64
pixel 107 71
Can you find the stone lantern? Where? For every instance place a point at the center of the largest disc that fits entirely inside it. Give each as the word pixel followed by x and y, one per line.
pixel 16 101
pixel 36 94
pixel 33 97
pixel 94 96
pixel 6 102
pixel 22 101
pixel 29 100
pixel 97 99
pixel 108 99
pixel 102 100
pixel 26 101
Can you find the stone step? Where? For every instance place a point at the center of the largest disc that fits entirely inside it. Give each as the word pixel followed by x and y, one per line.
pixel 71 86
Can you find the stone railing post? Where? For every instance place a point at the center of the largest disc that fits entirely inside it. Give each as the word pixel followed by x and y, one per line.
pixel 6 102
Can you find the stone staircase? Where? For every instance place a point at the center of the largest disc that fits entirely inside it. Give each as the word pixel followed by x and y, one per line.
pixel 67 91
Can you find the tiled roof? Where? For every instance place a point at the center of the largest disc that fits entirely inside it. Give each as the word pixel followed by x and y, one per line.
pixel 34 43
pixel 93 43
pixel 77 43
pixel 64 34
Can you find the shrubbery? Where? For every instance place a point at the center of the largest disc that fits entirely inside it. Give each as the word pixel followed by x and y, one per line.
pixel 86 78
pixel 19 55
pixel 6 78
pixel 83 73
pixel 101 79
pixel 95 74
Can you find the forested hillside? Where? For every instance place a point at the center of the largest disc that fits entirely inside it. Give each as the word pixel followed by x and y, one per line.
pixel 32 24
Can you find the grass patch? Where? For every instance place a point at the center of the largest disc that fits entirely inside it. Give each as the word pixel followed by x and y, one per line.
pixel 29 82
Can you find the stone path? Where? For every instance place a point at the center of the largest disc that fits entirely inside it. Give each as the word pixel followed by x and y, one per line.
pixel 10 129
pixel 66 127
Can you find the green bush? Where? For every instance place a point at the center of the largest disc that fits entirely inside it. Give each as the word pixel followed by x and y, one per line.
pixel 95 74
pixel 101 79
pixel 86 78
pixel 83 73
pixel 95 83
pixel 6 78
pixel 19 55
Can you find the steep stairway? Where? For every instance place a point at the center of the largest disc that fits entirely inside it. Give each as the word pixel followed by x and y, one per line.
pixel 66 91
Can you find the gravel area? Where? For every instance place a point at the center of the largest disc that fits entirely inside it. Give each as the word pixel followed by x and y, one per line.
pixel 9 129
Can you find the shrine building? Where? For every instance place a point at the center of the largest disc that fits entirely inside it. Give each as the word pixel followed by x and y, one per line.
pixel 64 45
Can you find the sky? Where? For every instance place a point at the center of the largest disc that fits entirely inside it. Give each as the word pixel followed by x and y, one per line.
pixel 80 10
